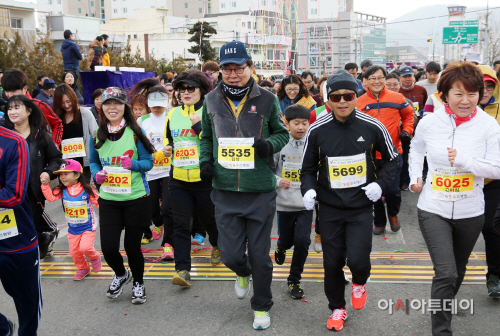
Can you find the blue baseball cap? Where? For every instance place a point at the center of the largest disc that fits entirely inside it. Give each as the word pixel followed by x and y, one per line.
pixel 234 52
pixel 406 71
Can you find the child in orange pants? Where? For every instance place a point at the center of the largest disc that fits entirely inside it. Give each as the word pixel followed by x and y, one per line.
pixel 78 197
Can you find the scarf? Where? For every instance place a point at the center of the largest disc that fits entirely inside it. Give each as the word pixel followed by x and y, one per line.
pixel 116 129
pixel 236 92
pixel 408 89
pixel 197 106
pixel 459 120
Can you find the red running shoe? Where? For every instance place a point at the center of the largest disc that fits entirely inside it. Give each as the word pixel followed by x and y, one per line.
pixel 358 296
pixel 336 321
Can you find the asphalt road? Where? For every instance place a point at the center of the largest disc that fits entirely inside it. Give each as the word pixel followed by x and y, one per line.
pixel 211 308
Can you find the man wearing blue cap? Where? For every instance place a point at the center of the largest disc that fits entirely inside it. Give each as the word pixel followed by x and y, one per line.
pixel 241 132
pixel 47 93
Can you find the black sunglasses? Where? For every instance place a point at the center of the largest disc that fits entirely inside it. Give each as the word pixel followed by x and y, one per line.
pixel 335 98
pixel 189 89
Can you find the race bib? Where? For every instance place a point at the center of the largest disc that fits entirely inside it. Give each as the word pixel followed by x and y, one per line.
pixel 290 172
pixel 452 184
pixel 8 224
pixel 236 153
pixel 347 171
pixel 161 166
pixel 72 148
pixel 186 154
pixel 76 212
pixel 118 180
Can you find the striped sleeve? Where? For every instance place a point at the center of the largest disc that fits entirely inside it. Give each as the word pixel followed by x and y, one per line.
pixel 16 158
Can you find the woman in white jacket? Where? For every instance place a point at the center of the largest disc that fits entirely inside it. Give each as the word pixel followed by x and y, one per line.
pixel 462 145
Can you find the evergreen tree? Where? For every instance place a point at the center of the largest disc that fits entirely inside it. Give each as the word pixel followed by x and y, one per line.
pixel 207 52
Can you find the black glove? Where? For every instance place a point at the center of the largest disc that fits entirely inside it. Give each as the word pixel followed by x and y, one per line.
pixel 206 171
pixel 405 137
pixel 263 148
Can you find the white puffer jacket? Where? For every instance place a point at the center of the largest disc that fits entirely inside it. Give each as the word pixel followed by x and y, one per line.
pixel 477 142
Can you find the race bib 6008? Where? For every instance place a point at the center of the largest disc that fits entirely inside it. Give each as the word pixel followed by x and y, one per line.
pixel 72 148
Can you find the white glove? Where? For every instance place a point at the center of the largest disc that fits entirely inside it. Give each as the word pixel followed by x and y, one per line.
pixel 373 191
pixel 309 198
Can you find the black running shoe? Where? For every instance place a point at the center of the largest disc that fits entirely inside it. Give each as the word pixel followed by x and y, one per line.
pixel 295 290
pixel 50 250
pixel 138 293
pixel 116 287
pixel 44 243
pixel 279 255
pixel 493 285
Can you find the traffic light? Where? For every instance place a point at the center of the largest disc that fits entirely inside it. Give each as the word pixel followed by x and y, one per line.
pixel 430 40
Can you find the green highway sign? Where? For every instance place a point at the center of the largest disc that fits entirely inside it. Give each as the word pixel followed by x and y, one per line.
pixel 465 23
pixel 460 35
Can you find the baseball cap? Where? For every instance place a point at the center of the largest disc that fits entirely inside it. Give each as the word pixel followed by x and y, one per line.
pixel 48 84
pixel 67 33
pixel 406 71
pixel 70 166
pixel 473 57
pixel 115 93
pixel 158 99
pixel 234 52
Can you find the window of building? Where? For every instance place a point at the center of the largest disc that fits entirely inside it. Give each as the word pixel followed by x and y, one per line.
pixel 222 5
pixel 135 36
pixel 92 4
pixel 314 11
pixel 217 51
pixel 186 16
pixel 328 60
pixel 92 14
pixel 200 10
pixel 102 3
pixel 50 2
pixel 243 24
pixel 311 31
pixel 79 11
pixel 313 61
pixel 270 54
pixel 234 3
pixel 58 2
pixel 209 8
pixel 16 23
pixel 263 2
pixel 255 25
pixel 129 37
pixel 125 10
pixel 185 5
pixel 115 10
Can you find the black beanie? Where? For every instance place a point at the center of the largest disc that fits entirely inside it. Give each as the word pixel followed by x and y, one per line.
pixel 339 81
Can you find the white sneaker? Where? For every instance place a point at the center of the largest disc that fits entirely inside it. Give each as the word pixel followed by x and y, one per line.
pixel 346 279
pixel 242 286
pixel 262 320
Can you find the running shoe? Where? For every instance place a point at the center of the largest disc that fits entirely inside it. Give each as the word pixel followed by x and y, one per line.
pixel 168 252
pixel 146 240
pixel 181 278
pixel 279 255
pixel 405 186
pixel 198 240
pixel 81 273
pixel 377 230
pixel 50 250
pixel 295 290
pixel 157 232
pixel 138 293
pixel 336 321
pixel 395 223
pixel 493 285
pixel 215 258
pixel 261 320
pixel 43 246
pixel 317 243
pixel 358 296
pixel 242 286
pixel 96 264
pixel 116 287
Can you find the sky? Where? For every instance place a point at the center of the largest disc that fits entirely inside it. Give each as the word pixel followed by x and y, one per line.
pixel 392 9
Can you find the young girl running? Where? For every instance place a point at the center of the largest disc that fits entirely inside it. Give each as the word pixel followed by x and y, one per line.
pixel 78 197
pixel 119 160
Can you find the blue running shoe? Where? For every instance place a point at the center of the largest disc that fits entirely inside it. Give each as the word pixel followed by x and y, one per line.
pixel 198 239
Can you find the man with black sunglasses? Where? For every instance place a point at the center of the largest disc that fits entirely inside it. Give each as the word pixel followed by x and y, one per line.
pixel 241 132
pixel 341 145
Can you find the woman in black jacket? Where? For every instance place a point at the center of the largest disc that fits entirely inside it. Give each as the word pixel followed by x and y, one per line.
pixel 69 78
pixel 24 117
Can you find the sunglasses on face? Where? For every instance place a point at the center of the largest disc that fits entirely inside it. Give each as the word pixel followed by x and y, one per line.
pixel 336 98
pixel 189 89
pixel 170 90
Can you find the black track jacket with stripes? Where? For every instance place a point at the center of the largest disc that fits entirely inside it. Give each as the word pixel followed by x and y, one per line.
pixel 328 137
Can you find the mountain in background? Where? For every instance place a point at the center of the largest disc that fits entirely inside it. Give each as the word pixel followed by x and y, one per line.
pixel 409 30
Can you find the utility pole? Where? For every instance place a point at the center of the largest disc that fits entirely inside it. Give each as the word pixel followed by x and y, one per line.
pixel 486 35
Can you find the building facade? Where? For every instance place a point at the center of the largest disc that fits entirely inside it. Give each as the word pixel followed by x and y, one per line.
pixel 407 54
pixel 18 17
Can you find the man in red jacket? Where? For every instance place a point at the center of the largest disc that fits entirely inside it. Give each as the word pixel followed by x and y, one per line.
pixel 15 82
pixel 392 110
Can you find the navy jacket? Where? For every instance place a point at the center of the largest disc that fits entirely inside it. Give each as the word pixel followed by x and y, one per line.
pixel 71 54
